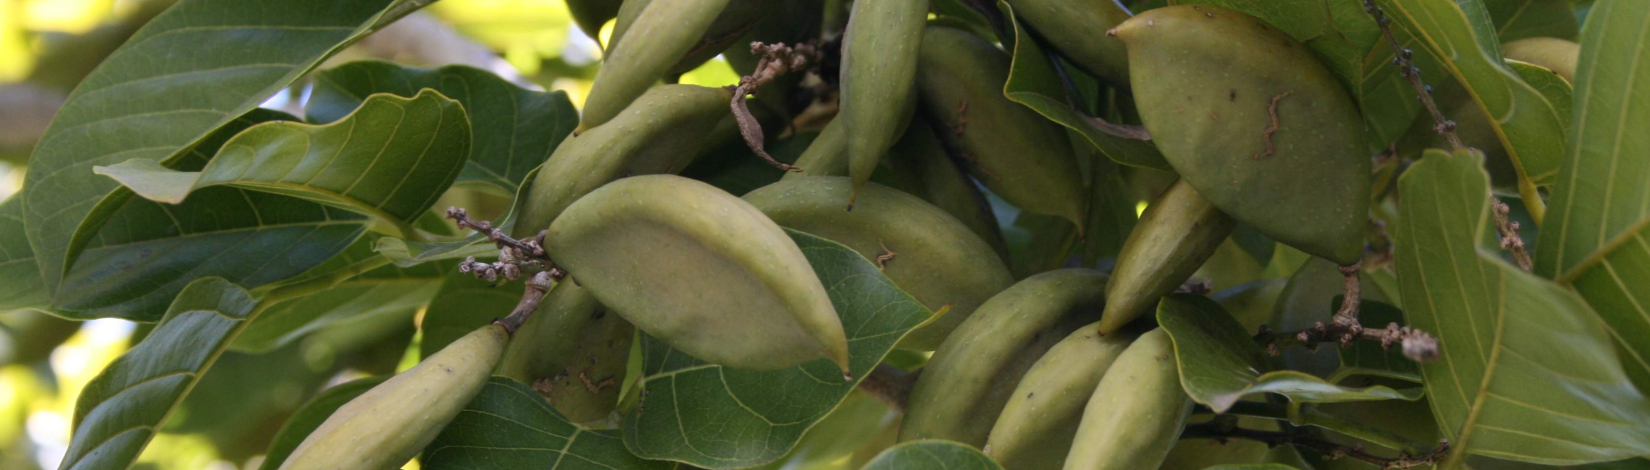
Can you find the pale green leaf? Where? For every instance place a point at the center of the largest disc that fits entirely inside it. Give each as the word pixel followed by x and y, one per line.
pixel 510 426
pixel 932 454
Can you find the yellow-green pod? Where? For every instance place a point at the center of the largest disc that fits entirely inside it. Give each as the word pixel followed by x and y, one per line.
pixel 1175 235
pixel 662 33
pixel 965 385
pixel 1255 122
pixel 661 134
pixel 1015 152
pixel 936 258
pixel 879 64
pixel 1137 411
pixel 1558 55
pixel 1070 26
pixel 701 270
pixel 389 424
pixel 591 15
pixel 736 19
pixel 1040 420
pixel 573 351
pixel 827 155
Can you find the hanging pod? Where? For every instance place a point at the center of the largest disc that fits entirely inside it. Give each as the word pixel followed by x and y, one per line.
pixel 967 382
pixel 736 19
pixel 879 64
pixel 1017 153
pixel 661 35
pixel 1558 55
pixel 1040 420
pixel 1175 235
pixel 935 258
pixel 1137 411
pixel 573 351
pixel 661 134
pixel 701 270
pixel 1249 117
pixel 828 154
pixel 389 424
pixel 1069 26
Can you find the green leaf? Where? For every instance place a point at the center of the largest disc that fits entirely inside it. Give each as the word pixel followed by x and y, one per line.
pixel 23 288
pixel 715 417
pixel 391 159
pixel 1253 466
pixel 515 129
pixel 1462 34
pixel 386 290
pixel 148 102
pixel 463 304
pixel 1519 19
pixel 932 454
pixel 311 415
pixel 1597 238
pixel 509 426
pixel 1527 371
pixel 119 411
pixel 1034 82
pixel 410 252
pixel 1220 363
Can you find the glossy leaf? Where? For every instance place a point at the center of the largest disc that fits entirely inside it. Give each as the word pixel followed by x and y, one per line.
pixel 387 290
pixel 932 454
pixel 1463 36
pixel 311 415
pixel 23 288
pixel 146 102
pixel 1598 236
pixel 391 159
pixel 509 426
pixel 123 407
pixel 1220 363
pixel 515 129
pixel 706 415
pixel 1519 19
pixel 1526 370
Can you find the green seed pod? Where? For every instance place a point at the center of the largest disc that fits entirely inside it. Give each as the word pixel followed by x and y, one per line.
pixel 1137 411
pixel 1555 54
pixel 1249 117
pixel 1040 420
pixel 826 156
pixel 666 32
pixel 937 259
pixel 1069 26
pixel 736 19
pixel 701 270
pixel 590 15
pixel 1177 233
pixel 573 351
pixel 1015 152
pixel 968 380
pixel 661 134
pixel 879 64
pixel 392 422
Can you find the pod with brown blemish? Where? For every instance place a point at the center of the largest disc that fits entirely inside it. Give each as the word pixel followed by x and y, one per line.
pixel 1037 426
pixel 701 270
pixel 1015 152
pixel 1175 235
pixel 1249 117
pixel 573 351
pixel 1069 27
pixel 967 382
pixel 1136 412
pixel 879 64
pixel 662 34
pixel 936 258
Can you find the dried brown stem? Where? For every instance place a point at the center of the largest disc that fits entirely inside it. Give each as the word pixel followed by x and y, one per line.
pixel 1348 314
pixel 515 257
pixel 1222 430
pixel 777 59
pixel 1417 345
pixel 890 384
pixel 1508 229
pixel 1406 68
pixel 536 287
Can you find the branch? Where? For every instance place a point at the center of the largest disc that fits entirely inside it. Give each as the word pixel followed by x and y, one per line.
pixel 1345 329
pixel 891 385
pixel 1222 430
pixel 777 59
pixel 1407 69
pixel 1508 229
pixel 536 287
pixel 514 256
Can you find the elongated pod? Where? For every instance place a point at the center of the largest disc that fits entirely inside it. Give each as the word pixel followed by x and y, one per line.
pixel 1069 27
pixel 662 33
pixel 573 351
pixel 967 382
pixel 946 186
pixel 388 425
pixel 736 19
pixel 1040 420
pixel 1137 411
pixel 661 134
pixel 1558 55
pixel 936 258
pixel 1175 235
pixel 701 270
pixel 1015 152
pixel 1249 117
pixel 879 64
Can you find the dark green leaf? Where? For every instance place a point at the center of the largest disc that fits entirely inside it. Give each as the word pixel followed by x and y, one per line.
pixel 463 304
pixel 1527 371
pixel 716 417
pixel 311 415
pixel 509 426
pixel 119 410
pixel 148 102
pixel 387 290
pixel 515 129
pixel 932 454
pixel 1597 237
pixel 23 288
pixel 391 159
pixel 850 426
pixel 1519 19
pixel 1220 363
